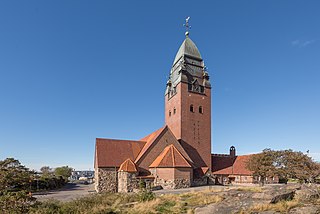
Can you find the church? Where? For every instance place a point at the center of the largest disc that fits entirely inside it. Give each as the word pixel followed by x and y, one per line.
pixel 177 155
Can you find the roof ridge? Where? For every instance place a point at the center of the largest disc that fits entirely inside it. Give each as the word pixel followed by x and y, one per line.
pixel 172 154
pixel 112 139
pixel 148 144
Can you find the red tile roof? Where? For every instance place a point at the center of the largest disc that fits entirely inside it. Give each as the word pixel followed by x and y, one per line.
pixel 149 139
pixel 228 165
pixel 128 166
pixel 170 157
pixel 111 153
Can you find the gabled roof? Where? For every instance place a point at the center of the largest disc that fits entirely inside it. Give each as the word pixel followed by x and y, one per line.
pixel 228 165
pixel 149 139
pixel 128 166
pixel 111 152
pixel 170 157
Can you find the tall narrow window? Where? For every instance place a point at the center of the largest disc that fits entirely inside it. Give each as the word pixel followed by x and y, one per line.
pixel 200 110
pixel 191 108
pixel 174 111
pixel 169 113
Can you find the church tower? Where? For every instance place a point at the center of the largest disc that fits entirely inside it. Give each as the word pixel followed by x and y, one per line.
pixel 188 103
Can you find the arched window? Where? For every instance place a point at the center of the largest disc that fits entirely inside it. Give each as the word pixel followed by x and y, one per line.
pixel 191 108
pixel 200 110
pixel 174 111
pixel 169 113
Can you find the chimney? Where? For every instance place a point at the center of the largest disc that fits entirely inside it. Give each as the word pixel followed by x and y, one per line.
pixel 232 151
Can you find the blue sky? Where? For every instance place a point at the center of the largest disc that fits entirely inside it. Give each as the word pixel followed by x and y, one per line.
pixel 71 71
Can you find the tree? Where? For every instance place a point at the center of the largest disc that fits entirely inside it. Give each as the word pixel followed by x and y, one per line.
pixel 284 164
pixel 262 164
pixel 15 181
pixel 300 166
pixel 64 172
pixel 14 175
pixel 46 171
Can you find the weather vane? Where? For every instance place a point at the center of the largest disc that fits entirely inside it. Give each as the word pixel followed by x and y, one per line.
pixel 188 27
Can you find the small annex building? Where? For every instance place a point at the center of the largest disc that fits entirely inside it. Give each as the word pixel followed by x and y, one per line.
pixel 231 169
pixel 178 155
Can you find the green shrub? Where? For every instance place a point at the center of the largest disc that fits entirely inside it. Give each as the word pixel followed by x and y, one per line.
pixel 142 184
pixel 15 202
pixel 146 195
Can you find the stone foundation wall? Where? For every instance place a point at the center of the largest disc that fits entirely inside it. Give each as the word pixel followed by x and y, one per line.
pixel 106 180
pixel 173 183
pixel 127 182
pixel 200 181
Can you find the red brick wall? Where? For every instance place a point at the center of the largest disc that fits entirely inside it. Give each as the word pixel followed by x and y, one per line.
pixel 193 129
pixel 173 173
pixel 183 173
pixel 165 173
pixel 174 121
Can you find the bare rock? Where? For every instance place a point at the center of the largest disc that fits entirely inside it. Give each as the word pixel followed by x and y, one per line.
pixel 308 192
pixel 304 210
pixel 288 196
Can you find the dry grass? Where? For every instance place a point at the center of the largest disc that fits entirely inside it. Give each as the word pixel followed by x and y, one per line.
pixel 130 203
pixel 145 207
pixel 282 207
pixel 250 189
pixel 200 198
pixel 182 203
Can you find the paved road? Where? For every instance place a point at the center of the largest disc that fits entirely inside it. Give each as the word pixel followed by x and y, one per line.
pixel 68 193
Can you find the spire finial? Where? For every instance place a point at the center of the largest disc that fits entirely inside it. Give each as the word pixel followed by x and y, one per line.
pixel 188 27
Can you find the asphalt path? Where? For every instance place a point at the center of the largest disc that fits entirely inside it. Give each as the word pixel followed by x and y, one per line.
pixel 69 192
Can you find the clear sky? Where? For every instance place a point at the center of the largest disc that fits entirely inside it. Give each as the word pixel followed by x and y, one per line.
pixel 71 71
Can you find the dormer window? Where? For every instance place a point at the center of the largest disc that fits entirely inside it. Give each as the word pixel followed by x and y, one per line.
pixel 196 87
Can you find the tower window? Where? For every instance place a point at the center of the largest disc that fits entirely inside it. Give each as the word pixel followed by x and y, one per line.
pixel 201 89
pixel 191 108
pixel 169 113
pixel 200 110
pixel 174 111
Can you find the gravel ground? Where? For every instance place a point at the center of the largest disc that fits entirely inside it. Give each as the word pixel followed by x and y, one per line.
pixel 68 193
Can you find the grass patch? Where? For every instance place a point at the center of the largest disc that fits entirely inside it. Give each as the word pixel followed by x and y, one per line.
pixel 97 203
pixel 140 203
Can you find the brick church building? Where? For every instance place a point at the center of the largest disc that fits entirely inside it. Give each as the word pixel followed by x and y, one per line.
pixel 178 155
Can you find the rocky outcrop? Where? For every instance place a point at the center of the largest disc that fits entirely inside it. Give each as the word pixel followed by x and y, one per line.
pixel 308 192
pixel 305 210
pixel 283 197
